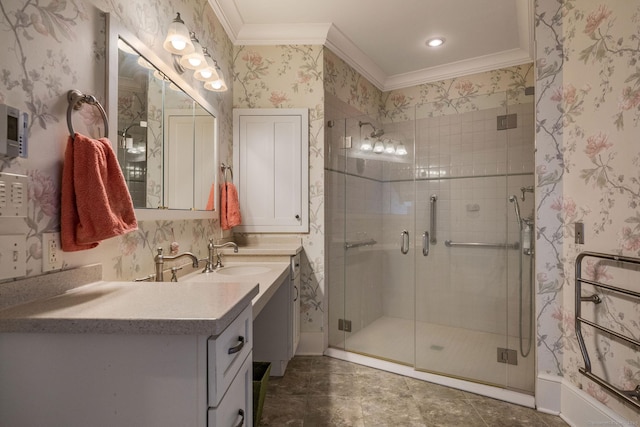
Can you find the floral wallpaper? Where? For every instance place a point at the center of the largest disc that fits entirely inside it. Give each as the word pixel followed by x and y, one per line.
pixel 289 76
pixel 49 48
pixel 588 105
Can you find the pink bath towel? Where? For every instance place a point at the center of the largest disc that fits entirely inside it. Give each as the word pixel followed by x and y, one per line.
pixel 229 206
pixel 95 204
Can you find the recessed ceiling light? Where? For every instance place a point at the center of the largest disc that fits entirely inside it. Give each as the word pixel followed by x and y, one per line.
pixel 435 42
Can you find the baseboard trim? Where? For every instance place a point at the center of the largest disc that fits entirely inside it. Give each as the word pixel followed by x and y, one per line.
pixel 556 395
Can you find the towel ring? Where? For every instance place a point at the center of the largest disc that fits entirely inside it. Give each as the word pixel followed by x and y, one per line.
pixel 76 99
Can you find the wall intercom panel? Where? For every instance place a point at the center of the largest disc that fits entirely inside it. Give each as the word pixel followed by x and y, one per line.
pixel 13 132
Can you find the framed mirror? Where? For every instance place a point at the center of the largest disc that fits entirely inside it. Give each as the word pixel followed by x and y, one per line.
pixel 165 133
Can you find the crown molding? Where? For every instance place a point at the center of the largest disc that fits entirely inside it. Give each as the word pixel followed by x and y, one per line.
pixel 346 50
pixel 330 36
pixel 270 34
pixel 466 67
pixel 229 16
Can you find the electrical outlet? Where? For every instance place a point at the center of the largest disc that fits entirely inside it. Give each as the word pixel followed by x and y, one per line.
pixel 51 252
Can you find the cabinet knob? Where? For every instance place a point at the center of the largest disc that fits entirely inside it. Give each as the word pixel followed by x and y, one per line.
pixel 297 216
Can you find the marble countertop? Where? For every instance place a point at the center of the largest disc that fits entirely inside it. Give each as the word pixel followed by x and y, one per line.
pixel 190 307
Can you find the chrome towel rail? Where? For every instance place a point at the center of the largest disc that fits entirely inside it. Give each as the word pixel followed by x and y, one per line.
pixel 450 244
pixel 630 396
pixel 357 244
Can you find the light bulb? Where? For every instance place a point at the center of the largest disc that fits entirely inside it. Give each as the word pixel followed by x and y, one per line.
pixel 194 60
pixel 378 147
pixel 389 148
pixel 401 150
pixel 366 145
pixel 208 71
pixel 178 44
pixel 178 40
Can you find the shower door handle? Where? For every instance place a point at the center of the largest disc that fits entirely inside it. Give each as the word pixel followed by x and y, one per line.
pixel 425 243
pixel 404 243
pixel 432 224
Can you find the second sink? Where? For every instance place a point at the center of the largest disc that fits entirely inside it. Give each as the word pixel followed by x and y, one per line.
pixel 242 270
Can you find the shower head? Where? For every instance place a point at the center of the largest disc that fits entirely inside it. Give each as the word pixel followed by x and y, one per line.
pixel 377 133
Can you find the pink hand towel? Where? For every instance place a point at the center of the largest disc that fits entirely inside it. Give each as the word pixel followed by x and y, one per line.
pixel 96 204
pixel 212 192
pixel 229 206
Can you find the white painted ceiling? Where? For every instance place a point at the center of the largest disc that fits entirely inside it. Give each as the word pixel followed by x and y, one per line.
pixel 385 40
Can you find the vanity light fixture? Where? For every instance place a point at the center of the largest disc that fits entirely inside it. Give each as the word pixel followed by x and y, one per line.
pixel 207 73
pixel 178 40
pixel 219 84
pixel 146 64
pixel 401 150
pixel 435 42
pixel 378 147
pixel 366 145
pixel 189 54
pixel 194 60
pixel 388 147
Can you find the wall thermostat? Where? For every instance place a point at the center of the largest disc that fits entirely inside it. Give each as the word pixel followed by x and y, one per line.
pixel 13 131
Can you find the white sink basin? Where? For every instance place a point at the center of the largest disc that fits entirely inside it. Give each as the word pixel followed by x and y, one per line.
pixel 242 270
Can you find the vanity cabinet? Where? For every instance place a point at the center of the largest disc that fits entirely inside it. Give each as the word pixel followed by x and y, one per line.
pixel 295 306
pixel 271 166
pixel 86 379
pixel 277 326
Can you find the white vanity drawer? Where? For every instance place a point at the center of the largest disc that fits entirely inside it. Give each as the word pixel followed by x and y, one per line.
pixel 236 408
pixel 226 353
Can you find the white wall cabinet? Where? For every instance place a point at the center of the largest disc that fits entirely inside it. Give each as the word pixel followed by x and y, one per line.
pixel 271 165
pixel 128 380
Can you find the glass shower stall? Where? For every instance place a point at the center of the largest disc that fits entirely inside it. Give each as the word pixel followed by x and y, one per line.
pixel 430 232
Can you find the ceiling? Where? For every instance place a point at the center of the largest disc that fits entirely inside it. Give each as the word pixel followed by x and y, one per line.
pixel 385 40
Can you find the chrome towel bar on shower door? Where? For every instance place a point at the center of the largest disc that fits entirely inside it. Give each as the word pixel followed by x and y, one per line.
pixel 450 244
pixel 351 245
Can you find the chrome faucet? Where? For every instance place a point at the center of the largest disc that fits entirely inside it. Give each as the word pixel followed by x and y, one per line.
pixel 214 259
pixel 160 259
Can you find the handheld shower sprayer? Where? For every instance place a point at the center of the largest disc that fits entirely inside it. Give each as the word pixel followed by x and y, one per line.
pixel 516 206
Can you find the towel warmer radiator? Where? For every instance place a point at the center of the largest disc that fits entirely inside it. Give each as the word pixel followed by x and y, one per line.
pixel 630 396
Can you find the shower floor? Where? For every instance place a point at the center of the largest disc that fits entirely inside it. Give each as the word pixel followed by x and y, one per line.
pixel 445 350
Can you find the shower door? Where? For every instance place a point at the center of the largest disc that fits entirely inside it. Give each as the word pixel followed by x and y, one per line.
pixel 469 160
pixel 425 254
pixel 375 295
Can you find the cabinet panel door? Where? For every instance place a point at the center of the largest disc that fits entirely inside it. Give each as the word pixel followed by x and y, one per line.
pixel 271 163
pixel 226 354
pixel 237 404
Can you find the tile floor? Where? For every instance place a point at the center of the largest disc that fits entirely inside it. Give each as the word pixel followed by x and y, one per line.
pixel 322 391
